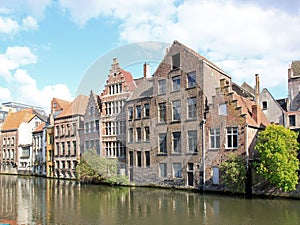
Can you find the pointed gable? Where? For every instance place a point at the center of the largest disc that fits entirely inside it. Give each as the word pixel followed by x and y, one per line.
pixel 58 105
pixel 77 107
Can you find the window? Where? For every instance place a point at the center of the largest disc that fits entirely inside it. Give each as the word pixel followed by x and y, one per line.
pixel 176 110
pixel 138 112
pixel 192 141
pixel 163 170
pixel 87 129
pixel 163 143
pixel 87 145
pixel 92 111
pixel 139 159
pixel 264 105
pixel 147 157
pixel 177 170
pixel 92 126
pixel 97 125
pixel 57 149
pixel 69 148
pixel 192 107
pixel 191 79
pixel 97 146
pixel 147 133
pixel 214 138
pixel 161 86
pixel 63 149
pixel 292 120
pixel 176 83
pixel 176 142
pixel 130 135
pixel 54 105
pixel 74 148
pixel 162 112
pixel 176 61
pixel 138 134
pixel 232 137
pixel 74 129
pixel 146 110
pixel 222 109
pixel 130 113
pixel 131 159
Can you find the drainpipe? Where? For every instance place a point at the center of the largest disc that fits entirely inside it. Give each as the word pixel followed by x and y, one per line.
pixel 246 147
pixel 203 151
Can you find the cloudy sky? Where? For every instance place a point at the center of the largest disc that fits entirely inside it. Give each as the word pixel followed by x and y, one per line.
pixel 47 46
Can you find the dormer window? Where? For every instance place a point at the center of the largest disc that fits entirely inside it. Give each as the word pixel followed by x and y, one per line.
pixel 264 105
pixel 176 61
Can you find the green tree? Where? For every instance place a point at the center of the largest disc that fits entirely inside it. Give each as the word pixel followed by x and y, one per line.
pixel 233 173
pixel 277 150
pixel 96 169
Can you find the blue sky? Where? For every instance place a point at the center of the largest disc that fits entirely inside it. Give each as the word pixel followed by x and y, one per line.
pixel 47 47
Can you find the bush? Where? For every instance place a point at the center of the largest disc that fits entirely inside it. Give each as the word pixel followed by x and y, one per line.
pixel 277 150
pixel 233 173
pixel 96 169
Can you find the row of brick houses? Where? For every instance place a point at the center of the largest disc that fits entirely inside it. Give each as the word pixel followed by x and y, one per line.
pixel 174 128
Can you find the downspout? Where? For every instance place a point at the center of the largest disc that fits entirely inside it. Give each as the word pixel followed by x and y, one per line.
pixel 246 146
pixel 203 152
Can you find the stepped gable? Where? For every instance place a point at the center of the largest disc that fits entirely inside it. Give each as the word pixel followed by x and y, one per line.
pixel 14 119
pixel 77 107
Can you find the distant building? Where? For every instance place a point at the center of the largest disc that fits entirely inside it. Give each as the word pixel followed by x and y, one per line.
pixel 272 108
pixel 16 141
pixel 68 126
pixel 39 150
pixel 91 135
pixel 118 88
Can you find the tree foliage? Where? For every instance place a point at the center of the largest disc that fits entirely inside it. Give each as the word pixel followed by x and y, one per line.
pixel 233 173
pixel 277 150
pixel 96 169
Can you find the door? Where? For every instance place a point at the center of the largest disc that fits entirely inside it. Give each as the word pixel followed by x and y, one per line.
pixel 216 180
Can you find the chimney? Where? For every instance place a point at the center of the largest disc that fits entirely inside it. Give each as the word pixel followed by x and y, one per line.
pixel 146 70
pixel 256 111
pixel 257 89
pixel 290 72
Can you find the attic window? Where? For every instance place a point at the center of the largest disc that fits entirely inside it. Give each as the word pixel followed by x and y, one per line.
pixel 264 105
pixel 54 105
pixel 222 109
pixel 176 61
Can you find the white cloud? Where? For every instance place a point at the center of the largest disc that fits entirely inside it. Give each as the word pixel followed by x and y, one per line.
pixel 243 38
pixel 21 86
pixel 13 58
pixel 29 23
pixel 5 94
pixel 8 25
pixel 26 90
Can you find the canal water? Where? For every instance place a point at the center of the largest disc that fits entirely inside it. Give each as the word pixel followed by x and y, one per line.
pixel 27 200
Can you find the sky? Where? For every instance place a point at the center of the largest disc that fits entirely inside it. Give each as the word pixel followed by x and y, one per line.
pixel 48 46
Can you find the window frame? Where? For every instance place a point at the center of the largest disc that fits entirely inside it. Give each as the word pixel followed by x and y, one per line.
pixel 176 80
pixel 214 138
pixel 177 172
pixel 232 134
pixel 191 79
pixel 176 110
pixel 162 138
pixel 192 108
pixel 176 142
pixel 192 141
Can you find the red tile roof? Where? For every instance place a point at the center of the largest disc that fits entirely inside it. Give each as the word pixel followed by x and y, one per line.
pixel 40 127
pixel 14 119
pixel 77 107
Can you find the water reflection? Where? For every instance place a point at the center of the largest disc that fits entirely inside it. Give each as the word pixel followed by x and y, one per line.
pixel 25 200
